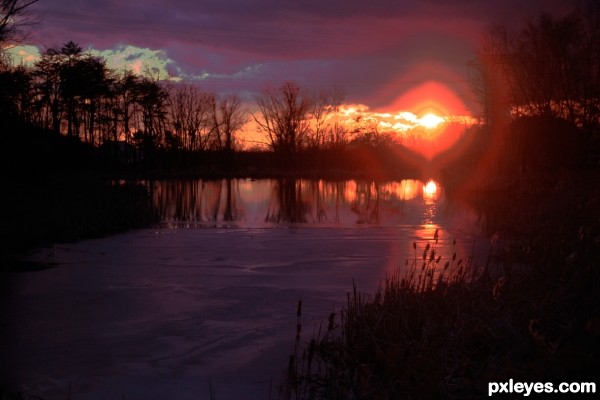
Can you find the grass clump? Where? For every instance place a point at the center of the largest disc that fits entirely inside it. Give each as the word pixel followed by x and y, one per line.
pixel 446 328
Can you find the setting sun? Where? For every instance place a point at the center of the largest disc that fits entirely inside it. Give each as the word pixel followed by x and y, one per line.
pixel 430 188
pixel 431 121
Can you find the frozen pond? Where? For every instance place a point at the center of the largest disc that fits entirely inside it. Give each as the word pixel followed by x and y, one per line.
pixel 207 301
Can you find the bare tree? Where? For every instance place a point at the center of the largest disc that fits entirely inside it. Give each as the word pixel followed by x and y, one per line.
pixel 590 59
pixel 13 20
pixel 228 118
pixel 284 118
pixel 189 116
pixel 319 111
pixel 328 130
pixel 488 78
pixel 151 97
pixel 550 68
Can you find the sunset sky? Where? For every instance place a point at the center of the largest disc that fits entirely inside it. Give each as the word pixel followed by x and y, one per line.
pixel 376 50
pixel 394 60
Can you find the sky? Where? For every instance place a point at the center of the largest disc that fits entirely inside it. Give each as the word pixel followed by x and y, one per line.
pixel 387 56
pixel 376 50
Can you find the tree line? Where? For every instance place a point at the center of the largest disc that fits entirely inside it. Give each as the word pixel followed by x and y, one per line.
pixel 549 68
pixel 74 93
pixel 71 92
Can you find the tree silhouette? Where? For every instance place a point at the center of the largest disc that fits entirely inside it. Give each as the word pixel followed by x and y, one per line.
pixel 284 118
pixel 151 98
pixel 48 87
pixel 325 129
pixel 550 68
pixel 13 20
pixel 228 118
pixel 126 95
pixel 16 93
pixel 189 110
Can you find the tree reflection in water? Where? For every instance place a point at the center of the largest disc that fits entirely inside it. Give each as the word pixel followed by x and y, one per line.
pixel 366 203
pixel 287 204
pixel 267 202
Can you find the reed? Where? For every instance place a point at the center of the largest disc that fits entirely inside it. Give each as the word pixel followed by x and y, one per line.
pixel 445 328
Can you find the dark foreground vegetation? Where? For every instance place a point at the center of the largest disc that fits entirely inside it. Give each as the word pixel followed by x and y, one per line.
pixel 447 328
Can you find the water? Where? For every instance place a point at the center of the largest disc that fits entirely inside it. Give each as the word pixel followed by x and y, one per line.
pixel 273 203
pixel 207 301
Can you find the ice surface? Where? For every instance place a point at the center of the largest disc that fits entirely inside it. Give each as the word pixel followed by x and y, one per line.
pixel 177 313
pixel 170 313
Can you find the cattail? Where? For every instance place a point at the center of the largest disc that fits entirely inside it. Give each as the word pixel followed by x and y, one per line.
pixel 440 281
pixel 415 245
pixel 311 351
pixel 331 322
pixel 432 255
pixel 291 369
pixel 446 265
pixel 435 236
pixel 454 256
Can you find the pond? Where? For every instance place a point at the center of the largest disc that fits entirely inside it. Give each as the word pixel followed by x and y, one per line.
pixel 205 303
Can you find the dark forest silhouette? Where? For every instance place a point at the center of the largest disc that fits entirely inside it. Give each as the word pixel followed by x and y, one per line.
pixel 547 73
pixel 141 124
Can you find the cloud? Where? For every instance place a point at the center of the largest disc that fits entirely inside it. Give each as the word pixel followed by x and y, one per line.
pixel 141 61
pixel 24 55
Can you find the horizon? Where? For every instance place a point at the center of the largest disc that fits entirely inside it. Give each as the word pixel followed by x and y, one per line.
pixel 394 67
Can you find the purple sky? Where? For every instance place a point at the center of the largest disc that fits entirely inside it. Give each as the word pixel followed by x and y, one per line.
pixel 375 50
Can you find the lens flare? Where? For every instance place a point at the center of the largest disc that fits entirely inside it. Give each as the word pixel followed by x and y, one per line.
pixel 431 121
pixel 441 118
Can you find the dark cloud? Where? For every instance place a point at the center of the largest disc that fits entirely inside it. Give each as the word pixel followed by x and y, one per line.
pixel 374 49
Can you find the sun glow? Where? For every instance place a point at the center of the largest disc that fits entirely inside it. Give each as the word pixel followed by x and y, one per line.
pixel 430 118
pixel 430 189
pixel 431 121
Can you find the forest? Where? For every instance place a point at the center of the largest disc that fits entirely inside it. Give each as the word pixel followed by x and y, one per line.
pixel 539 84
pixel 141 122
